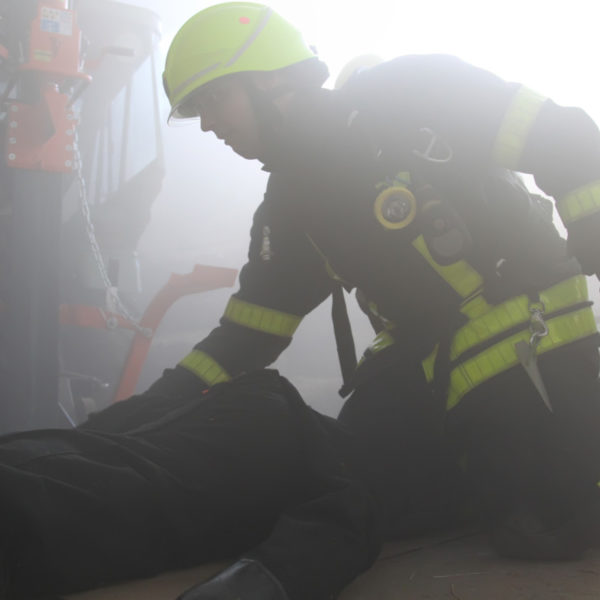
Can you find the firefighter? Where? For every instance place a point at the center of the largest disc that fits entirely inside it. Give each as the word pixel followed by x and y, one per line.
pixel 404 185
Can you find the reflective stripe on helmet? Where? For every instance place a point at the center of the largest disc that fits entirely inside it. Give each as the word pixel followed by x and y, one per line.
pixel 229 38
pixel 205 367
pixel 514 130
pixel 579 203
pixel 202 73
pixel 261 318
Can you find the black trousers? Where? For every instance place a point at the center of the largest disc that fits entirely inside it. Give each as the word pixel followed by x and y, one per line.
pixel 402 450
pixel 157 483
pixel 153 484
pixel 498 451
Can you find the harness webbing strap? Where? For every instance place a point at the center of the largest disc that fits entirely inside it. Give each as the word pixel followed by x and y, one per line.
pixel 484 346
pixel 463 278
pixel 515 311
pixel 500 357
pixel 205 367
pixel 261 318
pixel 343 336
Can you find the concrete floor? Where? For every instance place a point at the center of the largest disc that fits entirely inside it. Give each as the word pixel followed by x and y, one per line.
pixel 451 566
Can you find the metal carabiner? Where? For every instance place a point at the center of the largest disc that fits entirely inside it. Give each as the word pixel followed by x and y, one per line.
pixel 537 325
pixel 434 143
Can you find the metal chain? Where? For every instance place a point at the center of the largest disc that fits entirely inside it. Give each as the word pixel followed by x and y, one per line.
pixel 114 303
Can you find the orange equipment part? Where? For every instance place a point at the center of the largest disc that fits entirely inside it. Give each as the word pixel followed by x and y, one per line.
pixel 92 317
pixel 201 279
pixel 40 136
pixel 54 42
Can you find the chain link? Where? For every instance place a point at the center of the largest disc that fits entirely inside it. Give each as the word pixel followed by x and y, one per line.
pixel 114 304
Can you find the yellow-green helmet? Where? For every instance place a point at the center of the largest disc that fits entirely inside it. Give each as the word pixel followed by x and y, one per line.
pixel 228 38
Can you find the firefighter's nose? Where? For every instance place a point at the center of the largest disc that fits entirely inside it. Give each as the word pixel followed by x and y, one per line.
pixel 207 119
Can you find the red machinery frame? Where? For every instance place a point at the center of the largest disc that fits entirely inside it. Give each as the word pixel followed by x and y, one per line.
pixel 201 279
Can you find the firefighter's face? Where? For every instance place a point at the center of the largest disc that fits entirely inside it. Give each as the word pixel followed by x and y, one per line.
pixel 225 109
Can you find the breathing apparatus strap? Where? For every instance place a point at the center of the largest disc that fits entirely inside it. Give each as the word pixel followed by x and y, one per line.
pixel 343 338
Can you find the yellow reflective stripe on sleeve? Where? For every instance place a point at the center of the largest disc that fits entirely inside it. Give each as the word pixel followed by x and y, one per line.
pixel 515 128
pixel 205 367
pixel 463 278
pixel 502 356
pixel 516 310
pixel 579 203
pixel 261 318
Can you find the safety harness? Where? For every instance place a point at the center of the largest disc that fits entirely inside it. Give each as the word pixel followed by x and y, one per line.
pixel 488 339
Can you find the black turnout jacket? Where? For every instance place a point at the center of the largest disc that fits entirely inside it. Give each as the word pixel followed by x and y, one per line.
pixel 451 133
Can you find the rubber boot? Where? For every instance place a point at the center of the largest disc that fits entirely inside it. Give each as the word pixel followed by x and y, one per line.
pixel 244 580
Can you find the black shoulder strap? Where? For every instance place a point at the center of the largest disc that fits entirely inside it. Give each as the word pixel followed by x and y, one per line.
pixel 343 335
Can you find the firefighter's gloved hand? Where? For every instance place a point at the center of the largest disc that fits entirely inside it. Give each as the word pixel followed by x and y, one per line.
pixel 128 414
pixel 177 382
pixel 244 580
pixel 583 242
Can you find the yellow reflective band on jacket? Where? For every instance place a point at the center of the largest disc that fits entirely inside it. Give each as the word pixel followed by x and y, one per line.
pixel 514 130
pixel 502 356
pixel 204 366
pixel 463 278
pixel 261 318
pixel 514 311
pixel 579 203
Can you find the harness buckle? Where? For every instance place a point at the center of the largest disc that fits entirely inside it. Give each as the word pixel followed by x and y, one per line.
pixel 527 352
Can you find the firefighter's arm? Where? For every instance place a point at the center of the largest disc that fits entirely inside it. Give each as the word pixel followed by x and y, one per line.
pixel 282 281
pixel 560 146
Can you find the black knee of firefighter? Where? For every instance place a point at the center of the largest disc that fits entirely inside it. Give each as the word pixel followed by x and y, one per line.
pixel 525 534
pixel 247 579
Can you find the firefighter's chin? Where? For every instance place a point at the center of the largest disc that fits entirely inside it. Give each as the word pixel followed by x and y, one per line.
pixel 249 151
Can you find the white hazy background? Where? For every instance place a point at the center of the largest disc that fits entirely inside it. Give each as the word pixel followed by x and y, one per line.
pixel 209 195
